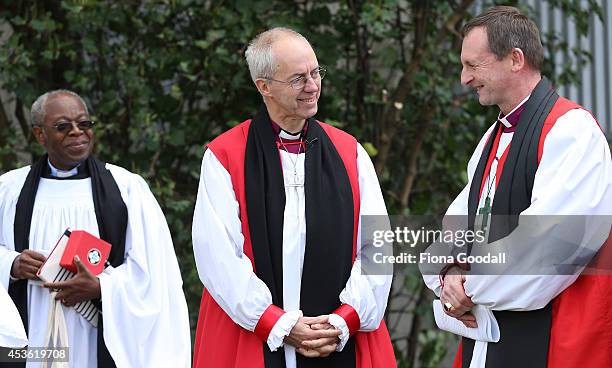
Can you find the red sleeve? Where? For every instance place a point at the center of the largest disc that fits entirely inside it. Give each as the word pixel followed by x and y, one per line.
pixel 350 316
pixel 267 321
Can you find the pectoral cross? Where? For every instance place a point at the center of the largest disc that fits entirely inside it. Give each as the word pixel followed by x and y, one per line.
pixel 486 209
pixel 484 215
pixel 297 181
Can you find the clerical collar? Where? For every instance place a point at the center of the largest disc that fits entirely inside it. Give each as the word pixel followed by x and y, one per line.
pixel 290 142
pixel 55 172
pixel 511 120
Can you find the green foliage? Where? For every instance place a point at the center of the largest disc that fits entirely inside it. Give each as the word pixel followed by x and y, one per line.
pixel 164 77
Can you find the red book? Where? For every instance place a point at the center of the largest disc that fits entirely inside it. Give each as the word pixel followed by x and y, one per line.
pixel 60 266
pixel 92 251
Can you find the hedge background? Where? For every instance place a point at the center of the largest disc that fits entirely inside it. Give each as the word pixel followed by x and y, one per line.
pixel 164 77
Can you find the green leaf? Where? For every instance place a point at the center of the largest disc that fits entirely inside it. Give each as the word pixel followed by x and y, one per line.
pixel 370 149
pixel 203 44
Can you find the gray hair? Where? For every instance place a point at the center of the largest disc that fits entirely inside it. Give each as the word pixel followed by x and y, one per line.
pixel 259 55
pixel 38 110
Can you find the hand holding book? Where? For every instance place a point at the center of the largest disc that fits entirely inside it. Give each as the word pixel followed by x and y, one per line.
pixel 27 264
pixel 83 286
pixel 72 267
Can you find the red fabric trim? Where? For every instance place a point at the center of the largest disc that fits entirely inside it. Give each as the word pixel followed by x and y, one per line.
pixel 220 342
pixel 561 107
pixel 581 332
pixel 267 321
pixel 490 161
pixel 374 349
pixel 601 264
pixel 350 316
pixel 500 163
pixel 229 148
pixel 459 356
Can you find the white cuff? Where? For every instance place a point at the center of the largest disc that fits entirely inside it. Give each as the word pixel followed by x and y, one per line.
pixel 283 328
pixel 339 323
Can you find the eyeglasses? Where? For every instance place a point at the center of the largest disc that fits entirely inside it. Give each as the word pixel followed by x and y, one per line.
pixel 65 126
pixel 300 82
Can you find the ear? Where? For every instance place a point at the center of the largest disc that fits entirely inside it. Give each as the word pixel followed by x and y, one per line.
pixel 518 59
pixel 39 135
pixel 263 87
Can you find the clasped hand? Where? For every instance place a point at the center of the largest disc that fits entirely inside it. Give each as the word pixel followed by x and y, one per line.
pixel 453 292
pixel 314 337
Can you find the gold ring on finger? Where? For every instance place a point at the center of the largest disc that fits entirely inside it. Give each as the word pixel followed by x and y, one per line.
pixel 448 307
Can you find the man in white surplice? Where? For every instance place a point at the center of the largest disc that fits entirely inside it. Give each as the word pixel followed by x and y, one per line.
pixel 144 312
pixel 287 74
pixel 570 174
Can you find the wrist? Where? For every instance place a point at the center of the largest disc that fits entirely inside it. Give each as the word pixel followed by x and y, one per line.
pixel 453 269
pixel 340 324
pixel 267 321
pixel 282 331
pixel 13 267
pixel 98 289
pixel 350 317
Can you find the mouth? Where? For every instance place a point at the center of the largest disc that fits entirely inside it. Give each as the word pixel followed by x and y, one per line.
pixel 78 145
pixel 309 100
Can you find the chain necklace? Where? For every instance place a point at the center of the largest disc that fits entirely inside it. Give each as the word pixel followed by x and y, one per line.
pixel 295 183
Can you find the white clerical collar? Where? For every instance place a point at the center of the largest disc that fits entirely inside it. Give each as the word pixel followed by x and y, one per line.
pixel 289 136
pixel 63 173
pixel 504 119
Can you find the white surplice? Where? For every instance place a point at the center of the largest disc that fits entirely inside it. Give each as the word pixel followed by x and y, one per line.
pixel 574 177
pixel 144 309
pixel 226 271
pixel 12 333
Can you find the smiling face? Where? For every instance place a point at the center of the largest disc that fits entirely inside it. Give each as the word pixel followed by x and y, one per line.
pixel 294 58
pixel 483 71
pixel 66 149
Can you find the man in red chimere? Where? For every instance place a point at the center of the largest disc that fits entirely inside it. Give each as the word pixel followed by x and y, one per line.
pixel 275 230
pixel 544 156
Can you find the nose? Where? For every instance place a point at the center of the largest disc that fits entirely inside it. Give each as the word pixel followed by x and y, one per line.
pixel 75 130
pixel 466 77
pixel 311 85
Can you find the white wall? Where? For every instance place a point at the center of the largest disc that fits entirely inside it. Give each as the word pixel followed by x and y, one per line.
pixel 595 90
